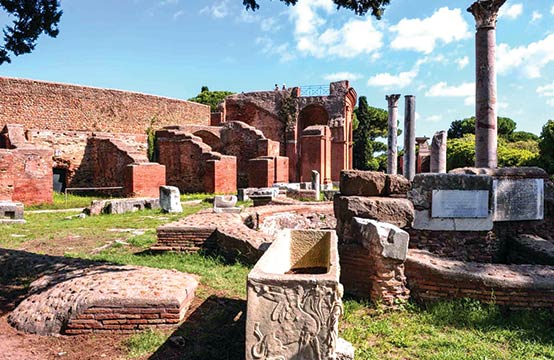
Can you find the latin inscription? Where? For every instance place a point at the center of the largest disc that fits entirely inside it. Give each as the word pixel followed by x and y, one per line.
pixel 460 204
pixel 518 200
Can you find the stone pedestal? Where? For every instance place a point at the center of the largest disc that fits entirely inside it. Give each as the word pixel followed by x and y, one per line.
pixel 392 151
pixel 316 185
pixel 294 298
pixel 11 212
pixel 170 199
pixel 226 204
pixel 438 152
pixel 409 138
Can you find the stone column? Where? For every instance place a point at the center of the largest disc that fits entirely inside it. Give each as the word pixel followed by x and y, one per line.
pixel 392 152
pixel 316 184
pixel 438 152
pixel 409 138
pixel 485 13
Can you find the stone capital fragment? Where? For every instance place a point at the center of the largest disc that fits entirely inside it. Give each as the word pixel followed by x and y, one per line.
pixel 485 12
pixel 391 240
pixel 393 100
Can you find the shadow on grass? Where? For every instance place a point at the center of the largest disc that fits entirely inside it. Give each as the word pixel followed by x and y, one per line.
pixel 214 330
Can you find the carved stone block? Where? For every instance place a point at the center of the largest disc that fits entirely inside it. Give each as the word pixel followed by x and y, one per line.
pixel 294 298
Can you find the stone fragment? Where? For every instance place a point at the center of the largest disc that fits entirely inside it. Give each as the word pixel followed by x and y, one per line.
pixel 11 212
pixel 316 184
pixel 170 199
pixel 397 185
pixel 392 240
pixel 362 183
pixel 509 172
pixel 396 211
pixel 225 201
pixel 121 206
pixel 345 350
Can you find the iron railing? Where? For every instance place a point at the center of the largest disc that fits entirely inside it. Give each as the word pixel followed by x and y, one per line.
pixel 314 90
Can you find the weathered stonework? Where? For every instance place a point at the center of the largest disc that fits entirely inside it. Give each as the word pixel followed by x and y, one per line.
pixel 294 304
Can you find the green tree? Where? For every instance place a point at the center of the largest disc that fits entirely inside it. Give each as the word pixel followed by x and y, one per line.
pixel 461 152
pixel 459 128
pixel 31 18
pixel 360 7
pixel 546 146
pixel 211 98
pixel 372 124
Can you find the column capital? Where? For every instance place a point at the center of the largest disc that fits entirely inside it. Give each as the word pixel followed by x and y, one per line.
pixel 485 13
pixel 393 99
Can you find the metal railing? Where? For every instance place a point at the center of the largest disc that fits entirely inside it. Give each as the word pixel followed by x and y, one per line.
pixel 314 90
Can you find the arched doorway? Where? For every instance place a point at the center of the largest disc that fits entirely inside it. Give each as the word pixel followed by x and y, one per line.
pixel 311 115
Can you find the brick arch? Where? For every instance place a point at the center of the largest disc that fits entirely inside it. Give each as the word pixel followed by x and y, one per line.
pixel 311 115
pixel 210 138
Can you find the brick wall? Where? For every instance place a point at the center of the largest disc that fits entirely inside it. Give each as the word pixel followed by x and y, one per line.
pixel 26 175
pixel 54 106
pixel 432 278
pixel 192 166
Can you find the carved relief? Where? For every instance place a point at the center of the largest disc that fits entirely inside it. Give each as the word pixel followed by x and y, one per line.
pixel 308 322
pixel 486 12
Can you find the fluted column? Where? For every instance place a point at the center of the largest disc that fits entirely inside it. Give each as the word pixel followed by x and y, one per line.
pixel 485 13
pixel 392 149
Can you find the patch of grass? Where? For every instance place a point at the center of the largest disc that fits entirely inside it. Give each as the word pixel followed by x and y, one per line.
pixel 197 196
pixel 54 227
pixel 460 329
pixel 145 343
pixel 73 201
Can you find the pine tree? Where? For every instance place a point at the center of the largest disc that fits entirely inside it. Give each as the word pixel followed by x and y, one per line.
pixel 372 124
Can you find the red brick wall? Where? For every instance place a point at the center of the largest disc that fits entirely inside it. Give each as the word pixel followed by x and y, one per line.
pixel 316 153
pixel 432 278
pixel 45 105
pixel 192 166
pixel 144 180
pixel 26 175
pixel 261 172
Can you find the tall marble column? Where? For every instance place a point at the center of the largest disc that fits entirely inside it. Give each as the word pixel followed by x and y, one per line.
pixel 409 138
pixel 392 150
pixel 485 13
pixel 438 152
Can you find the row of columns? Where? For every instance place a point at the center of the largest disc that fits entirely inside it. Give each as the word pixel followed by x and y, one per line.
pixel 485 13
pixel 438 143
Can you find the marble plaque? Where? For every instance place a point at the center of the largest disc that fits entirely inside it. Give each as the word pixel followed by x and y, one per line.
pixel 518 200
pixel 460 204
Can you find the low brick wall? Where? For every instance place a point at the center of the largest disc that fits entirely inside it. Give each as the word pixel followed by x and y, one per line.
pixel 188 239
pixel 432 278
pixel 356 268
pixel 478 246
pixel 123 319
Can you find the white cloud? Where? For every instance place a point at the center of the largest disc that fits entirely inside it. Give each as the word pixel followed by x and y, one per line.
pixel 388 80
pixel 353 38
pixel 345 75
pixel 441 89
pixel 529 59
pixel 423 34
pixel 536 16
pixel 546 90
pixel 462 62
pixel 178 14
pixel 552 10
pixel 271 48
pixel 433 118
pixel 511 11
pixel 219 10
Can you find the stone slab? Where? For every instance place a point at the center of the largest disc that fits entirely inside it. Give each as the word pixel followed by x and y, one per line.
pixel 424 221
pixel 170 199
pixel 460 204
pixel 518 200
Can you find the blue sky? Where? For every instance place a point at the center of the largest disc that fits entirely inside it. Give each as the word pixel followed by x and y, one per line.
pixel 425 48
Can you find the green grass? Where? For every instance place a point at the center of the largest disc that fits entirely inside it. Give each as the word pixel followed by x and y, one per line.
pixel 73 201
pixel 145 343
pixel 461 329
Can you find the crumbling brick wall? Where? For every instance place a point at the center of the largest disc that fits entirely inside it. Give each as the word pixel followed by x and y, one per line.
pixel 192 166
pixel 26 175
pixel 54 106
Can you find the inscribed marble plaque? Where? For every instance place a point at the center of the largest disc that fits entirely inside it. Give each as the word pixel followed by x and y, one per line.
pixel 518 200
pixel 460 204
